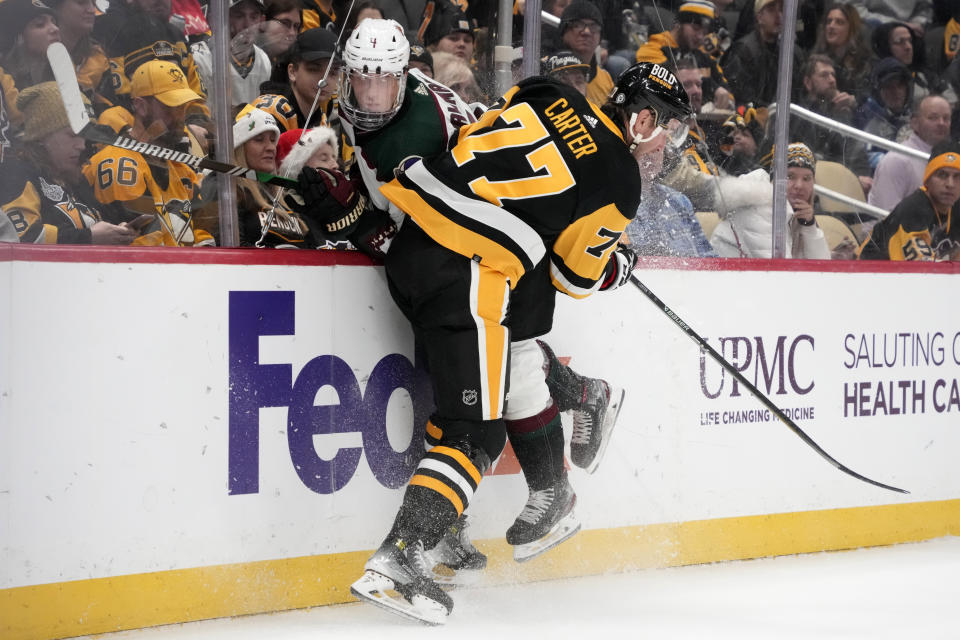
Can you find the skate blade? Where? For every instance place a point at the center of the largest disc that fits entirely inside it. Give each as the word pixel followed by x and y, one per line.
pixel 609 422
pixel 449 578
pixel 379 590
pixel 564 529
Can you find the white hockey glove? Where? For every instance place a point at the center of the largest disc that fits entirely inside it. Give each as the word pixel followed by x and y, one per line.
pixel 617 272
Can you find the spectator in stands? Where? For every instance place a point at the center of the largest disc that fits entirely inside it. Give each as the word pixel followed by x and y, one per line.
pixel 685 39
pixel 127 184
pixel 290 102
pixel 362 11
pixel 450 32
pixel 421 59
pixel 917 14
pixel 896 40
pixel 745 229
pixel 249 64
pixel 740 143
pixel 262 222
pixel 318 14
pixel 317 149
pixel 898 175
pixel 926 224
pixel 751 63
pixel 452 71
pixel 282 22
pixel 28 28
pixel 842 38
pixel 580 27
pixel 822 96
pixel 76 19
pixel 568 69
pixel 5 116
pixel 886 112
pixel 133 32
pixel 688 164
pixel 42 192
pixel 665 224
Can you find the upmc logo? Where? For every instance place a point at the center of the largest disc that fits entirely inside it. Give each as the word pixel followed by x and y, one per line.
pixel 771 368
pixel 254 386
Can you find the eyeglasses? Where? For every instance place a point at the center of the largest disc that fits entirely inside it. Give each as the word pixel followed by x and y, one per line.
pixel 290 24
pixel 583 25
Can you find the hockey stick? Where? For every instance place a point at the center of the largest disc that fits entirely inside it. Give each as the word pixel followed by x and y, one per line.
pixel 80 123
pixel 752 389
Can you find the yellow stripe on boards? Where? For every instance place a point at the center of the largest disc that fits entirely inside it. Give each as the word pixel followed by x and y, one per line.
pixel 100 605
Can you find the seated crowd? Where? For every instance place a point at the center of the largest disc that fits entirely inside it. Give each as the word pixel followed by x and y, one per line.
pixel 146 69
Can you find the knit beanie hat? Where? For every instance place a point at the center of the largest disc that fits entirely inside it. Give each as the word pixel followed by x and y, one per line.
pixel 14 16
pixel 580 10
pixel 945 154
pixel 43 110
pixel 252 123
pixel 292 156
pixel 798 155
pixel 697 11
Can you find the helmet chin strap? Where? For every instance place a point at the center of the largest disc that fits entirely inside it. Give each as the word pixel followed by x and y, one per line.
pixel 636 138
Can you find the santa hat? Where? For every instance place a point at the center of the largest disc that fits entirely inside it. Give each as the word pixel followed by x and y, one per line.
pixel 294 151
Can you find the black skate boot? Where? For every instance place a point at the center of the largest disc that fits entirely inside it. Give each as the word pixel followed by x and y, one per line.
pixel 457 561
pixel 397 578
pixel 593 422
pixel 546 520
pixel 594 403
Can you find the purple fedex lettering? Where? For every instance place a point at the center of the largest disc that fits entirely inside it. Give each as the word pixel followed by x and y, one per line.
pixel 253 386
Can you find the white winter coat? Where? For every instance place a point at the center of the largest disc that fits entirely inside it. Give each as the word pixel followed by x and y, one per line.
pixel 746 208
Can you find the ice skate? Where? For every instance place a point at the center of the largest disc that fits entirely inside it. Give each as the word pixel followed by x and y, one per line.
pixel 546 520
pixel 456 562
pixel 397 578
pixel 593 420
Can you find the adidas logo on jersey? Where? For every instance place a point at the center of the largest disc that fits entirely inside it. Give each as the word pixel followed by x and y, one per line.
pixel 422 90
pixel 591 121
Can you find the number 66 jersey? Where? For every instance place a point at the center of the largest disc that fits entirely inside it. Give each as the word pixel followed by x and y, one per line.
pixel 542 174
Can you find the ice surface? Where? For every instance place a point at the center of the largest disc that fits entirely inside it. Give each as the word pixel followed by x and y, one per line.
pixel 903 591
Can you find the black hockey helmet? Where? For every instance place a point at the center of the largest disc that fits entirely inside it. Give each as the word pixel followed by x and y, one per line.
pixel 647 85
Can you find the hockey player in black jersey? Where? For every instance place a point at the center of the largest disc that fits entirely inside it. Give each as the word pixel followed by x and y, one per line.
pixel 389 114
pixel 532 198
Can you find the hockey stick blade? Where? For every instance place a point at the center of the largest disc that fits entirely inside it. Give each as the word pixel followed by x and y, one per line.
pixel 752 389
pixel 79 119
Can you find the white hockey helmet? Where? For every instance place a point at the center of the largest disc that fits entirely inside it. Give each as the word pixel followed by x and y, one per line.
pixel 375 56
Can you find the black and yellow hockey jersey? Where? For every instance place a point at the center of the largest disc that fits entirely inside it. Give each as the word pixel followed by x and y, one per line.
pixel 914 231
pixel 123 178
pixel 43 210
pixel 131 37
pixel 543 172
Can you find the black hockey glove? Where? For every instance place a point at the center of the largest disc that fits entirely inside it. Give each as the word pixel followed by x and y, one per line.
pixel 621 264
pixel 373 233
pixel 332 200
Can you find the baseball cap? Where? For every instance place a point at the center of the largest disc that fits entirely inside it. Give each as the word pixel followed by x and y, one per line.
pixel 164 81
pixel 760 4
pixel 252 123
pixel 563 61
pixel 14 16
pixel 314 44
pixel 419 53
pixel 258 3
